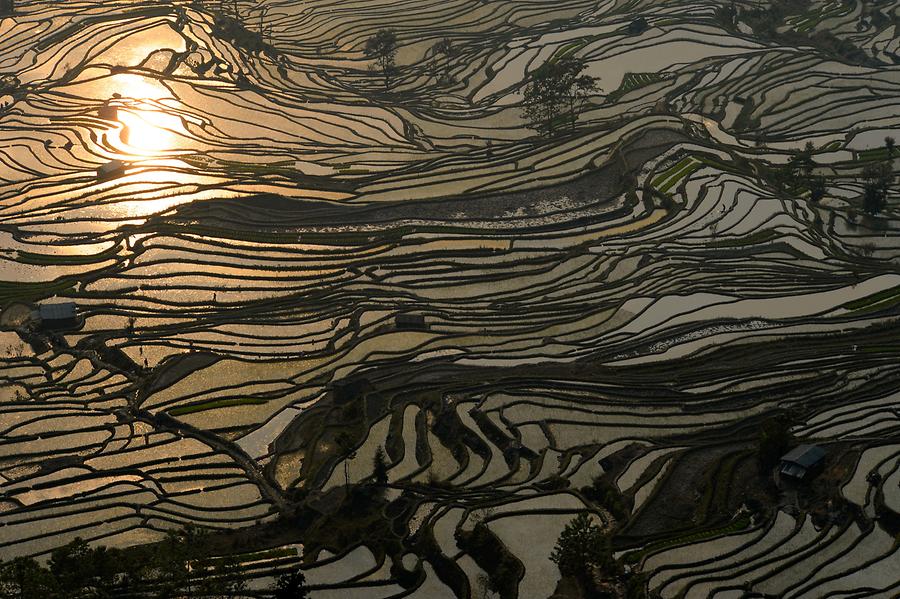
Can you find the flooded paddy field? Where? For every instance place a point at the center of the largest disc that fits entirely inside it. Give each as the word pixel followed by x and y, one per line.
pixel 287 266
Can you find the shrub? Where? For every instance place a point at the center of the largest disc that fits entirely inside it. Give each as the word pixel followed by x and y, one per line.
pixel 380 467
pixel 774 440
pixel 581 548
pixel 493 557
pixel 606 495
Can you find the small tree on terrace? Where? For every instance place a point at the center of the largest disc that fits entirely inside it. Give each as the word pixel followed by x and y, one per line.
pixel 382 48
pixel 447 50
pixel 78 567
pixel 817 188
pixel 889 144
pixel 774 440
pixel 806 159
pixel 230 7
pixel 876 185
pixel 556 92
pixel 291 585
pixel 380 467
pixel 265 31
pixel 9 84
pixel 581 548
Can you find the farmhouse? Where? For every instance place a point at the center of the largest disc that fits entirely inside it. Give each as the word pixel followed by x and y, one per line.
pixel 637 26
pixel 801 461
pixel 410 322
pixel 111 170
pixel 63 315
pixel 108 113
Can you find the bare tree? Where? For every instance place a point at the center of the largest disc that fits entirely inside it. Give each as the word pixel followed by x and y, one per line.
pixel 265 32
pixel 382 48
pixel 443 51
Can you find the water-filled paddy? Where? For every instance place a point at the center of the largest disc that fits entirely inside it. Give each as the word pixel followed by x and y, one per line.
pixel 282 265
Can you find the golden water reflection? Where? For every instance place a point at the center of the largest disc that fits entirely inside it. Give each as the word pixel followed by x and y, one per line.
pixel 147 112
pixel 130 85
pixel 147 130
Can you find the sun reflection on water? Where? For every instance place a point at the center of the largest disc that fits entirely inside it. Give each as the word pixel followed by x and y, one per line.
pixel 143 108
pixel 151 136
pixel 148 130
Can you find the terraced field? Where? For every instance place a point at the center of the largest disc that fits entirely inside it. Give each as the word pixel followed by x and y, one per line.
pixel 294 265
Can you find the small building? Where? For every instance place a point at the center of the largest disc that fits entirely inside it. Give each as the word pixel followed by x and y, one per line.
pixel 802 462
pixel 108 113
pixel 638 26
pixel 111 170
pixel 410 322
pixel 62 315
pixel 350 390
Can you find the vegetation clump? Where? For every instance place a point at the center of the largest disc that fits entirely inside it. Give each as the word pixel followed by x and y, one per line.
pixel 381 48
pixel 444 51
pixel 180 565
pixel 605 494
pixel 556 94
pixel 9 84
pixel 503 569
pixel 774 441
pixel 876 186
pixel 768 22
pixel 233 29
pixel 380 467
pixel 584 552
pixel 581 547
pixel 291 585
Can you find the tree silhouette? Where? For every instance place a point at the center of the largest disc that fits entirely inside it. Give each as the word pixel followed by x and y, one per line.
pixel 447 50
pixel 9 84
pixel 817 188
pixel 806 162
pixel 379 467
pixel 581 548
pixel 382 48
pixel 557 92
pixel 774 440
pixel 265 31
pixel 179 566
pixel 876 185
pixel 24 578
pixel 291 585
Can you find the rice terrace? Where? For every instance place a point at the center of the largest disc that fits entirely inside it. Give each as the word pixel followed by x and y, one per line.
pixel 462 298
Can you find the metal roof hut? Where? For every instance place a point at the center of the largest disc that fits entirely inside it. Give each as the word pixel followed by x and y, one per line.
pixel 111 170
pixel 63 315
pixel 410 322
pixel 801 461
pixel 638 26
pixel 108 112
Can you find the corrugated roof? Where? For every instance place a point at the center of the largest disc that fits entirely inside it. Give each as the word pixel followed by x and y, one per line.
pixel 793 470
pixel 61 311
pixel 805 455
pixel 111 167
